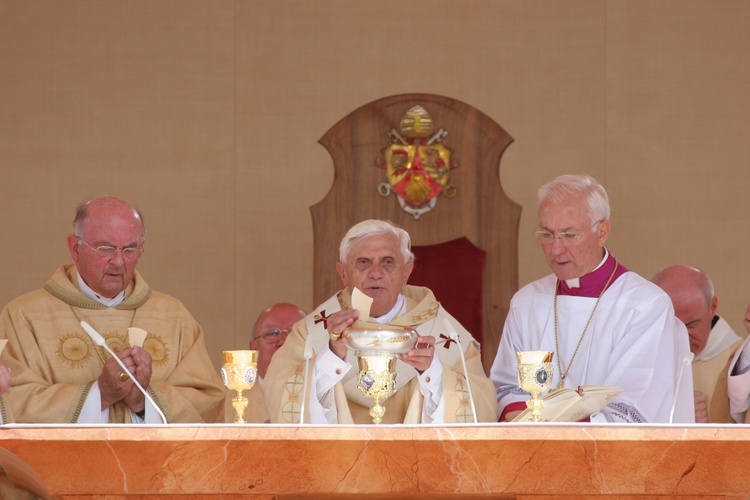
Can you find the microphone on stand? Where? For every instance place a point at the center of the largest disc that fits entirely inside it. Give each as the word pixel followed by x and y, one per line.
pixel 308 355
pixel 686 361
pixel 99 340
pixel 454 336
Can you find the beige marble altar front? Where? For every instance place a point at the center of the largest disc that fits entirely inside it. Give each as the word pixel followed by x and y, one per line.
pixel 506 461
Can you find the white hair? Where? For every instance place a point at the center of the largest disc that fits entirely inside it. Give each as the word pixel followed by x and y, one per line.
pixel 564 186
pixel 374 227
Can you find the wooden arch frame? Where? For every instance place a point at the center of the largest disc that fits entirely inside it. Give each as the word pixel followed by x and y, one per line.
pixel 480 211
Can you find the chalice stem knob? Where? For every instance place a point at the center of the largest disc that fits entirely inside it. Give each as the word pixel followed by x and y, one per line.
pixel 536 407
pixel 239 402
pixel 377 411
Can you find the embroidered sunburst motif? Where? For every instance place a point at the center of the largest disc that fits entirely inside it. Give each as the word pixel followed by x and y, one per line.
pixel 157 348
pixel 114 341
pixel 73 349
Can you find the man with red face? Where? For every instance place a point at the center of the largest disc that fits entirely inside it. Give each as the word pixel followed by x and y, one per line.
pixel 375 257
pixel 712 340
pixel 604 324
pixel 268 336
pixel 61 376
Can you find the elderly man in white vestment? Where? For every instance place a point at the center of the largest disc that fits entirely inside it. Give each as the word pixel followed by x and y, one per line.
pixel 739 378
pixel 61 376
pixel 605 324
pixel 431 385
pixel 712 340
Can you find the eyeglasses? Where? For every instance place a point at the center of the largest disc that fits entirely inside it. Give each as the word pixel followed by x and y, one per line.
pixel 567 239
pixel 271 335
pixel 107 252
pixel 547 238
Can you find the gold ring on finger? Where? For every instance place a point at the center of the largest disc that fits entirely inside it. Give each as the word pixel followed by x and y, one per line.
pixel 123 376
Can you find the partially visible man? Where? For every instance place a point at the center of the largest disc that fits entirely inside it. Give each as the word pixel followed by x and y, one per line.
pixel 269 334
pixel 605 324
pixel 739 378
pixel 5 381
pixel 61 376
pixel 431 386
pixel 712 340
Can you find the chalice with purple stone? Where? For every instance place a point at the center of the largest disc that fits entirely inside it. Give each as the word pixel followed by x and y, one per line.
pixel 534 377
pixel 377 348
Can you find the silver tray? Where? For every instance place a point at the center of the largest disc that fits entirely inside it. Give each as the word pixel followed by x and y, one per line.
pixel 381 339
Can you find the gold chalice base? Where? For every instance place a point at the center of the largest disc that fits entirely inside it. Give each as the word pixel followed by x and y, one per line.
pixel 239 373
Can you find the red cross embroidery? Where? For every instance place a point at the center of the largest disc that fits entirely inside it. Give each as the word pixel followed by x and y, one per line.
pixel 448 340
pixel 322 318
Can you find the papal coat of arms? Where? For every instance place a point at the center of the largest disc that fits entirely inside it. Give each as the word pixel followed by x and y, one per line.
pixel 417 164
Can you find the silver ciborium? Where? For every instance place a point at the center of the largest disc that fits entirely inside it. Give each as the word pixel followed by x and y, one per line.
pixel 239 373
pixel 534 377
pixel 377 348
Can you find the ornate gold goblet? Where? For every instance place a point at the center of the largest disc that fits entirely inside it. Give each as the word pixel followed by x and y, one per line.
pixel 239 373
pixel 534 377
pixel 377 348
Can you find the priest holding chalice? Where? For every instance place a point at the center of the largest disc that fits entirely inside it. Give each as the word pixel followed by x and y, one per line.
pixel 317 377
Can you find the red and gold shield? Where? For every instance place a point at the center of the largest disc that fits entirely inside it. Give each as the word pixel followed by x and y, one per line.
pixel 417 173
pixel 417 166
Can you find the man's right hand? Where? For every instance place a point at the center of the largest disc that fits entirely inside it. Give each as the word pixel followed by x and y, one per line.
pixel 5 378
pixel 337 323
pixel 111 386
pixel 701 409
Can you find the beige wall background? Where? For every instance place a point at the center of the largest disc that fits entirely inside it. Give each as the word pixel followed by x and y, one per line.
pixel 206 115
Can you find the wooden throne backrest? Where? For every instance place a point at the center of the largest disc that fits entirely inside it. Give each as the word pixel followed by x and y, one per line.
pixel 480 211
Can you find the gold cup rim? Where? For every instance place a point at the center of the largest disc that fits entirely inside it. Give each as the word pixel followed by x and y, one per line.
pixel 534 357
pixel 241 357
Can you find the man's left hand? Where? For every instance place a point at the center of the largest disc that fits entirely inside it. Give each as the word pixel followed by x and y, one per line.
pixel 421 356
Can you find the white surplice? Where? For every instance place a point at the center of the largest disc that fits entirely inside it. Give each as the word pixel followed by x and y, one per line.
pixel 634 341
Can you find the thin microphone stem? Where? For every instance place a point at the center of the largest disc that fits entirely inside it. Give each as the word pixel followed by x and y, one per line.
pixel 99 340
pixel 687 360
pixel 454 335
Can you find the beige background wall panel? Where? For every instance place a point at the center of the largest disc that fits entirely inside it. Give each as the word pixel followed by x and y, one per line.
pixel 678 133
pixel 523 63
pixel 133 99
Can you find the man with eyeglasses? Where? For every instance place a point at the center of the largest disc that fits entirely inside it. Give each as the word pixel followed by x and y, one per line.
pixel 604 324
pixel 269 334
pixel 61 376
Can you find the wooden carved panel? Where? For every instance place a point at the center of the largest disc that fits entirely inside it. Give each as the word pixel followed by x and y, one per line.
pixel 480 210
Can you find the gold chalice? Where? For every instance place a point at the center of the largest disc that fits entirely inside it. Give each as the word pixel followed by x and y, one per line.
pixel 534 377
pixel 377 348
pixel 239 373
